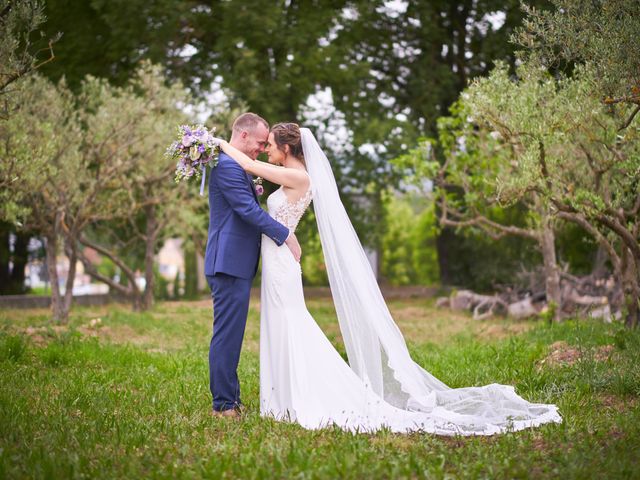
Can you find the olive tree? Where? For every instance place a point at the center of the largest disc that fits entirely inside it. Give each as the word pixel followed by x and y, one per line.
pixel 92 173
pixel 19 56
pixel 130 127
pixel 602 35
pixel 568 150
pixel 42 139
pixel 468 186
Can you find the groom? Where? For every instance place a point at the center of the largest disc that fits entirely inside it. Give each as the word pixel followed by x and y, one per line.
pixel 236 224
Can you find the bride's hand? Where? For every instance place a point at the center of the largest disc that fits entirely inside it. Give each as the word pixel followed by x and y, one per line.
pixel 241 158
pixel 218 141
pixel 294 246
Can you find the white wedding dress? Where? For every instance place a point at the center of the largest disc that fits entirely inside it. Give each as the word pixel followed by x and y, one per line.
pixel 304 379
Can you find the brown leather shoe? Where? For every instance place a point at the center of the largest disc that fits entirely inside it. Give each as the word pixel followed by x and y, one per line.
pixel 231 413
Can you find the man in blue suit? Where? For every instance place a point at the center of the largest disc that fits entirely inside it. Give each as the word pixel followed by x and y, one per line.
pixel 236 225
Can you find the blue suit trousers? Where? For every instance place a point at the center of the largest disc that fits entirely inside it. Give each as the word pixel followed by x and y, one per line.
pixel 230 307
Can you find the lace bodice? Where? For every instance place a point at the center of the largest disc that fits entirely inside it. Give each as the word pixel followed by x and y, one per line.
pixel 286 212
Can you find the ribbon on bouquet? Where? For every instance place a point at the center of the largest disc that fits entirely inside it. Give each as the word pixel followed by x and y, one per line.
pixel 204 175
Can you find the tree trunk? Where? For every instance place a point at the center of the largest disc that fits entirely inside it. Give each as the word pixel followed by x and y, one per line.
pixel 57 304
pixel 631 287
pixel 71 276
pixel 19 259
pixel 599 268
pixel 12 263
pixel 5 257
pixel 150 246
pixel 551 273
pixel 137 301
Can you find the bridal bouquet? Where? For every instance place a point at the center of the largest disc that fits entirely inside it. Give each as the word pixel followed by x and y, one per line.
pixel 194 150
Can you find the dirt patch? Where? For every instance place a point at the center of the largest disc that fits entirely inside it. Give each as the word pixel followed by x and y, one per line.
pixel 562 354
pixel 539 444
pixel 41 336
pixel 122 334
pixel 409 314
pixel 423 323
pixel 604 353
pixel 420 323
pixel 617 402
pixel 93 329
pixel 499 332
pixel 201 303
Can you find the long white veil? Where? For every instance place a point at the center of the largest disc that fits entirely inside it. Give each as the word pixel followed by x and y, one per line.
pixel 375 346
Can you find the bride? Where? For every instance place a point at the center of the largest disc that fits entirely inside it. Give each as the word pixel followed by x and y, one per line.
pixel 302 377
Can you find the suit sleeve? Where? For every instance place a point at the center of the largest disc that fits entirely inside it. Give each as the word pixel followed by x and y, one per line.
pixel 233 185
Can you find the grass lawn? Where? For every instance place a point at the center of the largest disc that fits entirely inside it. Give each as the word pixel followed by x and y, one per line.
pixel 129 399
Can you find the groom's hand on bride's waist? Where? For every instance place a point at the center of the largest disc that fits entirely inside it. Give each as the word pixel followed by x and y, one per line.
pixel 294 246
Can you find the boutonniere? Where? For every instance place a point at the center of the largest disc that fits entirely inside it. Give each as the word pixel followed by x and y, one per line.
pixel 257 184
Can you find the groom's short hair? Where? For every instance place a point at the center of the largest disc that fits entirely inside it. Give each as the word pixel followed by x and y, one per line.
pixel 248 121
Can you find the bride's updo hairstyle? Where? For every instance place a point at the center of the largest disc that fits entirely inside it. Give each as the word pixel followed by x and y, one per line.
pixel 288 134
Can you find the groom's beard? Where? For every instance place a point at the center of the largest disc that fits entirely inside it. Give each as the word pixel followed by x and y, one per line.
pixel 244 148
pixel 250 153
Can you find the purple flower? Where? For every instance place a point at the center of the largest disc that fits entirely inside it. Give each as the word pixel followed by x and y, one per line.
pixel 192 151
pixel 187 140
pixel 259 189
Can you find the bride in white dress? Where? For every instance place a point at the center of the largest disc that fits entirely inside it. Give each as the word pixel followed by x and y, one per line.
pixel 303 378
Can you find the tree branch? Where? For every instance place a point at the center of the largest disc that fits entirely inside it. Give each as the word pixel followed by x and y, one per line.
pixel 627 99
pixel 20 72
pixel 113 257
pixel 543 164
pixel 488 226
pixel 630 119
pixel 622 232
pixel 93 273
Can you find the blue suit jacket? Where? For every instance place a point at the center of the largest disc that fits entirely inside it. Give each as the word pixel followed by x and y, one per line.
pixel 236 222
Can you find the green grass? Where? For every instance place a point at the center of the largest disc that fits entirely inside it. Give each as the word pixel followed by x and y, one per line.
pixel 133 401
pixel 39 291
